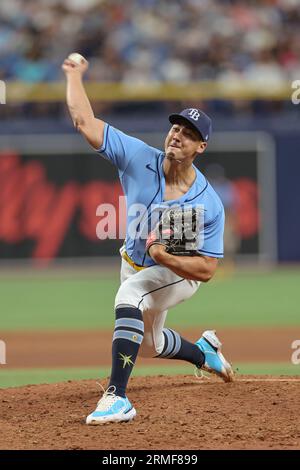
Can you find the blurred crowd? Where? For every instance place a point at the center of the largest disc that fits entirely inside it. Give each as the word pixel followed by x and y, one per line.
pixel 137 41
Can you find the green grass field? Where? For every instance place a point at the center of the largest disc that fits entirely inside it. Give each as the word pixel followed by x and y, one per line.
pixel 243 299
pixel 19 377
pixel 70 302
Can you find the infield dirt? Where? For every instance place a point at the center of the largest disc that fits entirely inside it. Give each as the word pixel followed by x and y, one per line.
pixel 174 412
pixel 178 412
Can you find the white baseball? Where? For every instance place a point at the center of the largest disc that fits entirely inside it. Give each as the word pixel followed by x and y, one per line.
pixel 75 57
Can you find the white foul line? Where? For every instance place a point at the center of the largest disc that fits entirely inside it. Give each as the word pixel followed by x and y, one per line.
pixel 206 379
pixel 269 380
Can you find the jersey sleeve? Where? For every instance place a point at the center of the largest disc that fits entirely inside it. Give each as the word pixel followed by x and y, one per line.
pixel 119 148
pixel 212 242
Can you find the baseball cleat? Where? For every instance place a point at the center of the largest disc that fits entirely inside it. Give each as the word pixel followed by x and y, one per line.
pixel 215 362
pixel 111 408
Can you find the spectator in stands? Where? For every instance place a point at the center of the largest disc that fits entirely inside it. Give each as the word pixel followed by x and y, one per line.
pixel 178 41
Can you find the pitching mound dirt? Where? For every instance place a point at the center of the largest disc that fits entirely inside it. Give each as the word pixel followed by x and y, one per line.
pixel 173 413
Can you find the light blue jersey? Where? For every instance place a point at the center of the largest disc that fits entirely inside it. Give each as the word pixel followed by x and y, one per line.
pixel 141 174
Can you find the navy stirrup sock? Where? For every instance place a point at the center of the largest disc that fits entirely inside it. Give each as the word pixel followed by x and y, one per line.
pixel 127 338
pixel 176 347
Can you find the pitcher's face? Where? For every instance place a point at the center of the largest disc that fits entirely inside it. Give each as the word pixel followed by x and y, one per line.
pixel 183 143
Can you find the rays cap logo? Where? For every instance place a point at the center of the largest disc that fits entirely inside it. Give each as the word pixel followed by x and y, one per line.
pixel 2 92
pixel 197 119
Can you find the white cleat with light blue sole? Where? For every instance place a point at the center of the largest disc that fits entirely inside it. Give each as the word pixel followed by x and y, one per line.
pixel 111 408
pixel 215 362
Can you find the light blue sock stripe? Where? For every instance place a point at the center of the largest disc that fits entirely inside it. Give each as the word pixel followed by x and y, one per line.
pixel 129 335
pixel 131 323
pixel 177 344
pixel 170 340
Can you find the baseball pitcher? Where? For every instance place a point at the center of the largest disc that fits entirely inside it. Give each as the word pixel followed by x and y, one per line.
pixel 173 248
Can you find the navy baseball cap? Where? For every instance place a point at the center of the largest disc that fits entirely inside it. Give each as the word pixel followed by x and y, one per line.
pixel 198 119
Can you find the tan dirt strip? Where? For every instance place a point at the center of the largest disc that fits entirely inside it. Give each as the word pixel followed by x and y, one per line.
pixel 93 348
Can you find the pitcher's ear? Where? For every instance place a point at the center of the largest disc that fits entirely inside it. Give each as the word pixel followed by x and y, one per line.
pixel 201 147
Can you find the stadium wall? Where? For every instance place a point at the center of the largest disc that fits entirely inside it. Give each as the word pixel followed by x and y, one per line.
pixel 285 136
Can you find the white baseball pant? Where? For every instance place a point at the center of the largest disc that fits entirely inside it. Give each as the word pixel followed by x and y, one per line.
pixel 153 290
